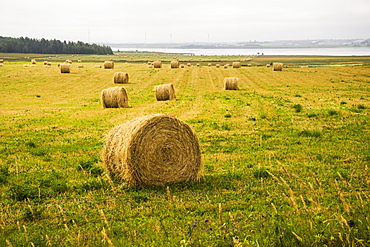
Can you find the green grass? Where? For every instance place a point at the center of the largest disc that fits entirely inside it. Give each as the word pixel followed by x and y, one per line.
pixel 285 160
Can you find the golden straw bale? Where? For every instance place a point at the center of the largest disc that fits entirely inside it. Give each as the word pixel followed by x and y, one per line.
pixel 97 66
pixel 268 65
pixel 182 65
pixel 188 64
pixel 65 68
pixel 26 65
pixel 150 66
pixel 1 65
pixel 1 60
pixel 80 66
pixel 108 65
pixel 157 64
pixel 217 65
pixel 45 62
pixel 231 83
pixel 33 61
pixel 209 64
pixel 278 67
pixel 79 60
pixel 226 66
pixel 198 64
pixel 174 64
pixel 153 150
pixel 165 92
pixel 304 66
pixel 120 77
pixel 249 65
pixel 237 65
pixel 114 97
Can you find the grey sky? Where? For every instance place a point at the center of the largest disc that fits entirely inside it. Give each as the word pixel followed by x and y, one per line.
pixel 123 21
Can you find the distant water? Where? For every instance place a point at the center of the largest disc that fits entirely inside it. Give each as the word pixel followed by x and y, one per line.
pixel 349 51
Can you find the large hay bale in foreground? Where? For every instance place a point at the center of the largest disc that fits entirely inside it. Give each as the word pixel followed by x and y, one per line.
pixel 165 92
pixel 174 64
pixel 120 77
pixel 153 150
pixel 65 68
pixel 108 65
pixel 231 83
pixel 278 67
pixel 114 97
pixel 157 64
pixel 237 65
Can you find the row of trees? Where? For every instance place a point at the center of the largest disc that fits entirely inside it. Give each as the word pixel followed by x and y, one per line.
pixel 43 46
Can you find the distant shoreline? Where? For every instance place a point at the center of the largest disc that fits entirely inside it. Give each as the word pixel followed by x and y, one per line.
pixel 343 51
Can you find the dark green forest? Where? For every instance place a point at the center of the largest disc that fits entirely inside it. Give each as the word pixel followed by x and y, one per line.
pixel 43 46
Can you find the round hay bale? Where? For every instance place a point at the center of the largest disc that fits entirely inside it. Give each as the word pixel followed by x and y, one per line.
pixel 165 92
pixel 114 97
pixel 209 64
pixel 182 66
pixel 226 66
pixel 1 60
pixel 237 65
pixel 153 150
pixel 65 68
pixel 108 65
pixel 80 66
pixel 174 64
pixel 157 64
pixel 97 66
pixel 120 77
pixel 33 61
pixel 217 65
pixel 26 65
pixel 188 64
pixel 231 83
pixel 278 67
pixel 268 65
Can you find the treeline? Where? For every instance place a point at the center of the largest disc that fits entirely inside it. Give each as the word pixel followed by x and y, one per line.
pixel 43 46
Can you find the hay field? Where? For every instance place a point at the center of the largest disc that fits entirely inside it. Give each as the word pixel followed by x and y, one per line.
pixel 286 157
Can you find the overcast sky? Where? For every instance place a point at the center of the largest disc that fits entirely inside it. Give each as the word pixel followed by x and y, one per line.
pixel 162 21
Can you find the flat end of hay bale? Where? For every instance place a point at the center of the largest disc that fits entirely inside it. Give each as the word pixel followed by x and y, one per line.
pixel 153 150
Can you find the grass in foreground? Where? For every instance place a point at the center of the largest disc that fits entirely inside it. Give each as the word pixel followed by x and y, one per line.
pixel 285 158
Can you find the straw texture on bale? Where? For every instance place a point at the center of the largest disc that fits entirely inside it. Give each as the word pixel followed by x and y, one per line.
pixel 237 65
pixel 65 68
pixel 278 67
pixel 114 97
pixel 153 150
pixel 120 77
pixel 231 83
pixel 174 64
pixel 157 64
pixel 165 92
pixel 108 65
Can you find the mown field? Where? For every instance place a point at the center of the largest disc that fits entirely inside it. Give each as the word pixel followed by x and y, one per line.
pixel 286 157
